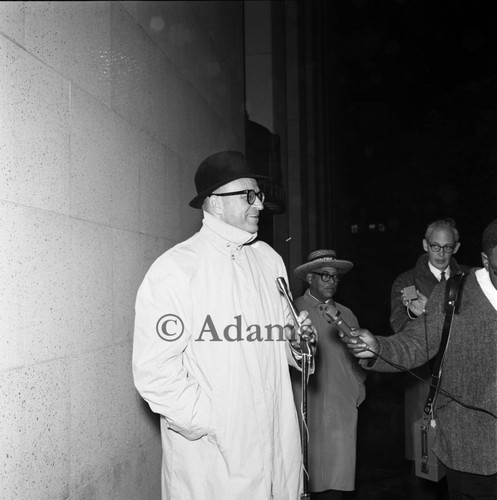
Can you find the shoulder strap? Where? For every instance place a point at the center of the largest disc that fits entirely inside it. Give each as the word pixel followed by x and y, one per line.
pixel 453 292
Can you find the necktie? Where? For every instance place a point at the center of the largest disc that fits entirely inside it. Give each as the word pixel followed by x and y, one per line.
pixel 442 276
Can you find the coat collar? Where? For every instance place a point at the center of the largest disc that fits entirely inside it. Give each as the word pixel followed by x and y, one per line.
pixel 422 265
pixel 314 301
pixel 488 289
pixel 228 239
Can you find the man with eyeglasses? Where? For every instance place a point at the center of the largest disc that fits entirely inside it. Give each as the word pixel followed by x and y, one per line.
pixel 465 408
pixel 212 348
pixel 441 243
pixel 336 389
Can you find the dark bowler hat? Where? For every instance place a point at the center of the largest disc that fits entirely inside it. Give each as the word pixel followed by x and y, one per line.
pixel 217 170
pixel 322 258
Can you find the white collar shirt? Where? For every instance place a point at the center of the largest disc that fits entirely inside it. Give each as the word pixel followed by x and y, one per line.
pixel 438 272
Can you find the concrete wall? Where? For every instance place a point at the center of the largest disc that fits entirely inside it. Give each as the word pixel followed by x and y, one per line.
pixel 106 109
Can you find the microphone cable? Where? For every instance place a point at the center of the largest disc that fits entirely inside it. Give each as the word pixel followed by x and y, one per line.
pixel 332 313
pixel 441 391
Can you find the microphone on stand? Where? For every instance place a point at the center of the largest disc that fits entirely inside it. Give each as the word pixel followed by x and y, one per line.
pixel 306 360
pixel 304 338
pixel 283 288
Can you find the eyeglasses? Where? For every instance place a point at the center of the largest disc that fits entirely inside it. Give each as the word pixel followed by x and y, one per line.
pixel 327 277
pixel 251 195
pixel 445 248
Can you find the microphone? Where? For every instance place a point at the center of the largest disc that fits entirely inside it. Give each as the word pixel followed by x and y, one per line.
pixel 334 316
pixel 283 288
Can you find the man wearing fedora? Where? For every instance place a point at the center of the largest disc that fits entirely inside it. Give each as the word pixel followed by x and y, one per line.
pixel 336 388
pixel 210 353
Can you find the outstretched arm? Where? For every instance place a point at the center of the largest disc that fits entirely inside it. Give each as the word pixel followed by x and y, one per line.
pixel 413 346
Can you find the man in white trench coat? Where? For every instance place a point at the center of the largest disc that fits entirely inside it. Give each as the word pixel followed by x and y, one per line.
pixel 210 355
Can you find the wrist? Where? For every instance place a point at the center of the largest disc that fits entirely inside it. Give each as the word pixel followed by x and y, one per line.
pixel 295 344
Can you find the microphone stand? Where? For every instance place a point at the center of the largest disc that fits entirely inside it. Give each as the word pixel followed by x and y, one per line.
pixel 306 363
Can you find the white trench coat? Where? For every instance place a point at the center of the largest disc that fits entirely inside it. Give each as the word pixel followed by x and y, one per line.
pixel 228 422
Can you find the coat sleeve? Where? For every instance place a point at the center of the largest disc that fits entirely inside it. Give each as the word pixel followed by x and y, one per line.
pixel 161 336
pixel 357 369
pixel 398 313
pixel 294 356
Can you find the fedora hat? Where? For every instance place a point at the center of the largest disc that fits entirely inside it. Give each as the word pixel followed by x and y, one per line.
pixel 322 258
pixel 219 169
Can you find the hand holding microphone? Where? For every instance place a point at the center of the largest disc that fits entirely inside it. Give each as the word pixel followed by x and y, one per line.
pixel 359 341
pixel 306 332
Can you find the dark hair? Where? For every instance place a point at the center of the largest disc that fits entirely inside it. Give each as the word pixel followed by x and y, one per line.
pixel 442 223
pixel 489 237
